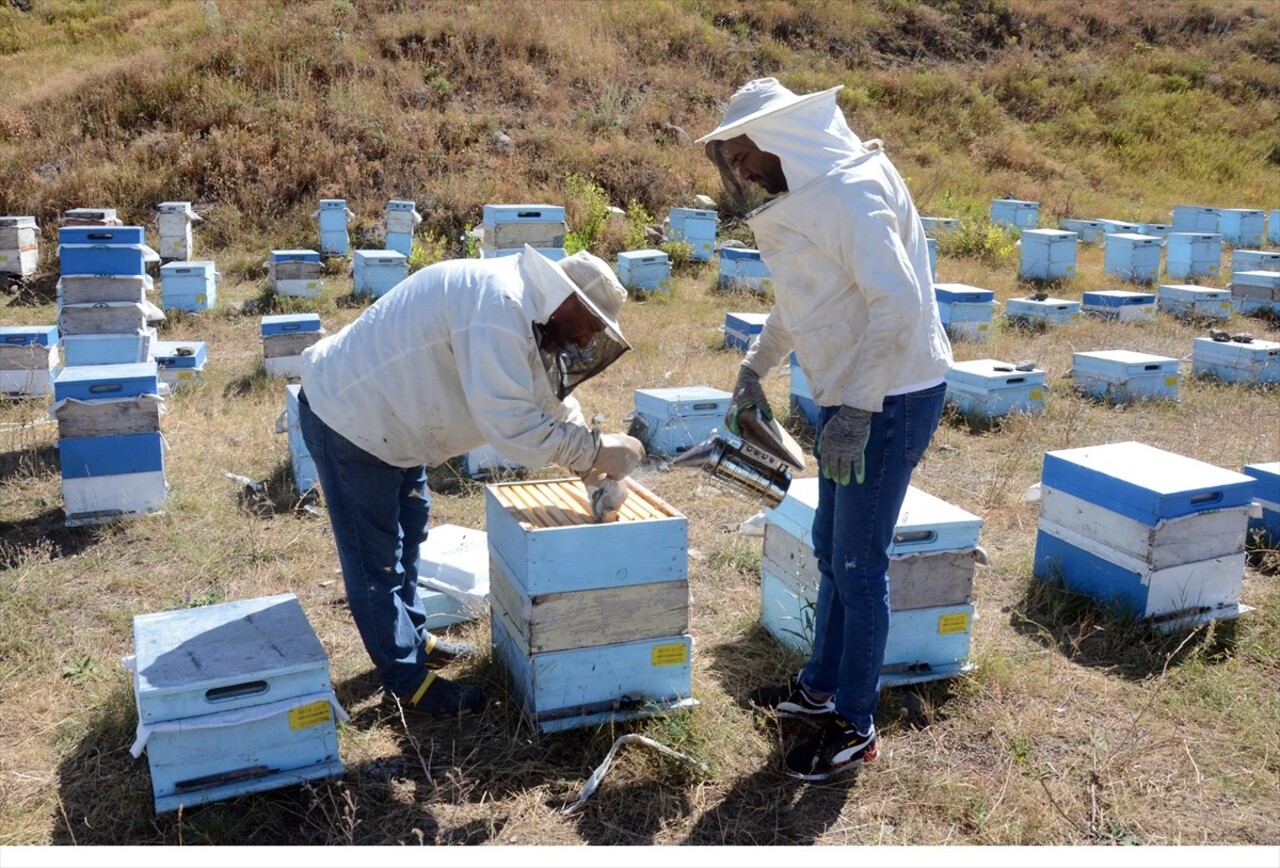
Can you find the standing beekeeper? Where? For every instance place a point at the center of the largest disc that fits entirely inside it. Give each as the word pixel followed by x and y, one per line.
pixel 459 354
pixel 837 227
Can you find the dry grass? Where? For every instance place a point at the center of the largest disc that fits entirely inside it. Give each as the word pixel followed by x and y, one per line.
pixel 1074 729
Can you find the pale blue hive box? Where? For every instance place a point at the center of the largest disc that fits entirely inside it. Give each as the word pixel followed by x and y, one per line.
pixel 189 286
pixel 1194 302
pixel 1194 218
pixel 514 226
pixel 741 328
pixel 1192 254
pixel 289 323
pixel 1119 376
pixel 742 268
pixel 648 270
pixel 931 572
pixel 1015 213
pixel 989 388
pixel 1132 257
pixel 697 227
pixel 1266 493
pixel 674 419
pixel 1048 254
pixel 936 225
pixel 104 250
pixel 108 349
pixel 1119 304
pixel 1256 290
pixel 305 477
pixel 376 271
pixel 1255 362
pixel 180 363
pixel 453 575
pixel 29 359
pixel 589 620
pixel 334 218
pixel 1273 226
pixel 1089 231
pixel 1155 230
pixel 967 312
pixel 1049 311
pixel 233 698
pixel 1112 227
pixel 1255 260
pixel 1241 227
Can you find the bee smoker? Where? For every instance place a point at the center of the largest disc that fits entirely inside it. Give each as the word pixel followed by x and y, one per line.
pixel 748 465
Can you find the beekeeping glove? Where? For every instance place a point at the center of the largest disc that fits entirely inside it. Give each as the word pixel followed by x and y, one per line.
pixel 746 392
pixel 842 445
pixel 618 455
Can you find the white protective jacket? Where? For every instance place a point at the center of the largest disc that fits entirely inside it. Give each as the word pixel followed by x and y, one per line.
pixel 445 362
pixel 849 263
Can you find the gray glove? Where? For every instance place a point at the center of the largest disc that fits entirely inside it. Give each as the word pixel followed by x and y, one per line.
pixel 617 456
pixel 842 445
pixel 747 392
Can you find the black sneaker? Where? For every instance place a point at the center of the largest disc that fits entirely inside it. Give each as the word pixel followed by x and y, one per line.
pixel 440 653
pixel 440 697
pixel 833 750
pixel 793 702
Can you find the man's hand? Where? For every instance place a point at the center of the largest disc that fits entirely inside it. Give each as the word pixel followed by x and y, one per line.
pixel 619 454
pixel 746 392
pixel 842 445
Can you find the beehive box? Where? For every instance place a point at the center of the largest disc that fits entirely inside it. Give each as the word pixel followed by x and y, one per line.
pixel 741 328
pixel 90 217
pixel 590 620
pixel 104 250
pixel 1042 311
pixel 1193 254
pixel 305 477
pixel 180 363
pixel 967 312
pixel 1194 218
pixel 284 337
pixel 189 286
pixel 1255 260
pixel 1048 254
pixel 173 222
pixel 695 226
pixel 91 289
pixel 295 272
pixel 988 388
pixel 108 349
pixel 1119 304
pixel 648 270
pixel 107 317
pixel 938 225
pixel 29 359
pixel 453 575
pixel 376 271
pixel 931 572
pixel 1241 227
pixel 402 217
pixel 1255 362
pixel 671 420
pixel 1263 286
pixel 1133 257
pixel 1015 213
pixel 514 226
pixel 233 698
pixel 1120 376
pixel 1112 227
pixel 1157 532
pixel 334 216
pixel 742 268
pixel 1155 230
pixel 1273 226
pixel 1189 301
pixel 1088 231
pixel 1266 494
pixel 19 245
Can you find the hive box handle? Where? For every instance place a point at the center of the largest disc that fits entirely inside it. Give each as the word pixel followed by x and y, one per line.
pixel 235 691
pixel 1206 497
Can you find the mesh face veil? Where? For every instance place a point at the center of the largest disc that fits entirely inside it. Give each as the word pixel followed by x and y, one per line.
pixel 740 197
pixel 573 365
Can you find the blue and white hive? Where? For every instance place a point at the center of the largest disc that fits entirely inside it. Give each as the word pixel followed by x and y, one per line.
pixel 1254 362
pixel 511 227
pixel 189 286
pixel 696 227
pixel 29 360
pixel 741 328
pixel 967 312
pixel 1132 257
pixel 179 363
pixel 1048 254
pixel 1189 301
pixel 1119 304
pixel 742 268
pixel 1121 376
pixel 173 224
pixel 284 338
pixel 1193 254
pixel 374 272
pixel 402 219
pixel 990 389
pixel 1042 311
pixel 644 270
pixel 19 246
pixel 295 273
pixel 1015 213
pixel 334 217
pixel 672 420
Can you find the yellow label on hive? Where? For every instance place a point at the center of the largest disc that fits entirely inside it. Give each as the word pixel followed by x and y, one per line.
pixel 1171 380
pixel 670 655
pixel 1037 394
pixel 956 622
pixel 313 714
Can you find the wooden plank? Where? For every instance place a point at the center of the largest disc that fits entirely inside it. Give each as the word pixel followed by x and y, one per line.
pixel 102 419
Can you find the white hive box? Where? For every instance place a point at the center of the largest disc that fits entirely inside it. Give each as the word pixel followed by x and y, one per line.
pixel 1042 311
pixel 107 317
pixel 19 246
pixel 108 349
pixel 284 337
pixel 1193 254
pixel 742 268
pixel 1048 254
pixel 1194 218
pixel 1255 260
pixel 1112 227
pixel 671 420
pixel 1089 231
pixel 29 360
pixel 305 477
pixel 1015 213
pixel 1133 257
pixel 931 570
pixel 233 698
pixel 1266 494
pixel 967 312
pixel 590 620
pixel 741 328
pixel 180 363
pixel 1255 362
pixel 1262 287
pixel 1155 230
pixel 513 226
pixel 1241 227
pixel 374 272
pixel 1119 304
pixel 647 270
pixel 938 225
pixel 90 217
pixel 697 227
pixel 173 222
pixel 1120 376
pixel 988 388
pixel 295 273
pixel 189 286
pixel 1156 532
pixel 334 217
pixel 1189 301
pixel 402 219
pixel 453 575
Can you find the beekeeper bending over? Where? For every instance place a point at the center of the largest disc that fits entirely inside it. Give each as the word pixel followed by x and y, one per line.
pixel 854 299
pixel 459 354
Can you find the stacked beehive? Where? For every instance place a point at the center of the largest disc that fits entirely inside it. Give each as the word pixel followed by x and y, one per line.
pixel 295 272
pixel 1193 254
pixel 1048 254
pixel 742 268
pixel 1158 533
pixel 19 247
pixel 1254 291
pixel 232 698
pixel 506 229
pixel 1015 213
pixel 966 311
pixel 1088 231
pixel 29 360
pixel 284 337
pixel 334 218
pixel 402 219
pixel 1253 361
pixel 695 227
pixel 103 306
pixel 646 270
pixel 189 286
pixel 109 441
pixel 173 222
pixel 1132 257
pixel 374 272
pixel 1189 301
pixel 931 569
pixel 590 620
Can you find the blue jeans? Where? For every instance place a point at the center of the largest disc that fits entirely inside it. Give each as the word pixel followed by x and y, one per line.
pixel 853 529
pixel 379 517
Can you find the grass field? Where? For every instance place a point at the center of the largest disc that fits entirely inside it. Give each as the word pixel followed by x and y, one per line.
pixel 1073 729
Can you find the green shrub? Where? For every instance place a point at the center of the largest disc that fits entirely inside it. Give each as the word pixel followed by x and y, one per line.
pixel 978 239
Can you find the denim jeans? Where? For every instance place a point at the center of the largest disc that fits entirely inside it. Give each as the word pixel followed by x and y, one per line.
pixel 379 517
pixel 853 529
